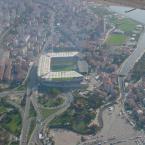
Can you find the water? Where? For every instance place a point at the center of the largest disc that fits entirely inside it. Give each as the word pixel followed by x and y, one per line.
pixel 138 15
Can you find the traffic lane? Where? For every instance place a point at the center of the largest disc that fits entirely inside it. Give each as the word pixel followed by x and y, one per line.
pixel 135 56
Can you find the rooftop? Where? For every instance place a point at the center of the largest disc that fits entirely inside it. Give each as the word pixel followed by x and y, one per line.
pixel 83 66
pixel 62 54
pixel 62 74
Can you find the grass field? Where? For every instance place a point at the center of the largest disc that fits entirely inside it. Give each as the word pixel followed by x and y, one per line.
pixel 14 143
pixel 32 112
pixel 79 115
pixel 116 39
pixel 57 68
pixel 21 88
pixel 63 64
pixel 47 112
pixel 126 24
pixel 73 121
pixel 12 122
pixel 2 110
pixel 50 102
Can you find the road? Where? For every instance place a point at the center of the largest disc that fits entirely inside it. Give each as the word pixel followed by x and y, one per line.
pixel 39 126
pixel 12 92
pixel 131 60
pixel 25 122
pixel 31 84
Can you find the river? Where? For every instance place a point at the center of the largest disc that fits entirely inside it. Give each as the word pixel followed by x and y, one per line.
pixel 138 15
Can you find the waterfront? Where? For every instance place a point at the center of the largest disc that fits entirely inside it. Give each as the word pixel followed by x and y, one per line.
pixel 133 58
pixel 138 15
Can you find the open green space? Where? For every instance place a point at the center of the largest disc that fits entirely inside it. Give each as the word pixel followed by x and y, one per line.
pixel 50 101
pixel 47 112
pixel 57 68
pixel 5 106
pixel 12 122
pixel 14 143
pixel 79 115
pixel 125 24
pixel 32 112
pixel 2 110
pixel 116 39
pixel 119 58
pixel 50 91
pixel 21 88
pixel 12 119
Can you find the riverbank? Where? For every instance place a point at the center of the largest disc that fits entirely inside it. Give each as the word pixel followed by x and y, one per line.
pixel 137 15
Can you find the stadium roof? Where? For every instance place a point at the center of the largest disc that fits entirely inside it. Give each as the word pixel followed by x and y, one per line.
pixel 62 74
pixel 62 54
pixel 44 65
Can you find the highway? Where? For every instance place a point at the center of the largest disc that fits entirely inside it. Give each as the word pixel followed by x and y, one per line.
pixel 125 69
pixel 122 141
pixel 127 66
pixel 40 126
pixel 31 84
pixel 31 97
pixel 25 122
pixel 131 60
pixel 7 93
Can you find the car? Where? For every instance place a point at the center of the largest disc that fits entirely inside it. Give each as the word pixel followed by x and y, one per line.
pixel 110 108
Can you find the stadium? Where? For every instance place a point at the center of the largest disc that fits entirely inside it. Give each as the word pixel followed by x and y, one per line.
pixel 59 69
